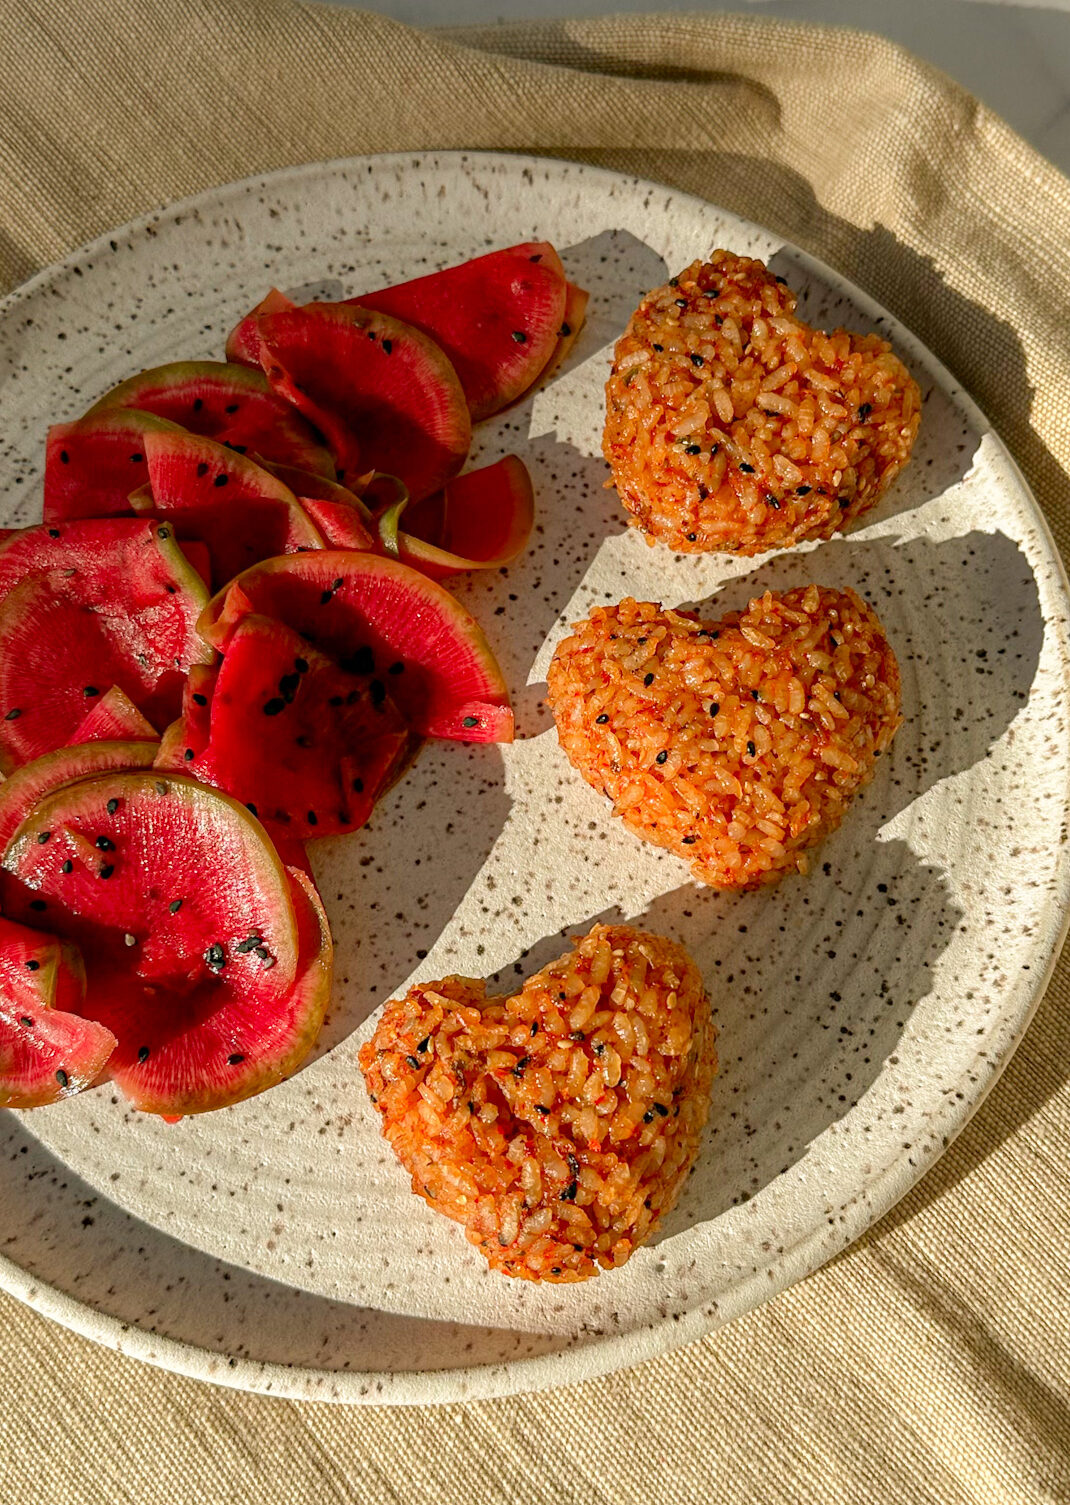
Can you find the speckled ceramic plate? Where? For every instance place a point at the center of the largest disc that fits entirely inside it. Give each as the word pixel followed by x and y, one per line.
pixel 864 1011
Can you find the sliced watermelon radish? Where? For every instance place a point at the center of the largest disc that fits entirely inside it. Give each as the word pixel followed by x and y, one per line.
pixel 229 403
pixel 47 1052
pixel 93 553
pixel 382 394
pixel 373 612
pixel 243 341
pixel 336 511
pixel 29 784
pixel 67 635
pixel 497 317
pixel 306 745
pixel 204 956
pixel 235 507
pixel 114 718
pixel 479 521
pixel 93 465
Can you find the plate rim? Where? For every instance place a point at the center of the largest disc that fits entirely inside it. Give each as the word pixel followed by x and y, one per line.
pixel 814 1249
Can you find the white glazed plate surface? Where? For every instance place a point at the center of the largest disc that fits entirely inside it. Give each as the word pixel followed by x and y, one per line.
pixel 864 1011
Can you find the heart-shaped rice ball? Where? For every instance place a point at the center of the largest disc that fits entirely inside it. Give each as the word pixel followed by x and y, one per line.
pixel 737 744
pixel 557 1125
pixel 733 426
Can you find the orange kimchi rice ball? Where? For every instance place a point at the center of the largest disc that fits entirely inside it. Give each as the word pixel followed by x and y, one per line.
pixel 732 426
pixel 736 744
pixel 557 1125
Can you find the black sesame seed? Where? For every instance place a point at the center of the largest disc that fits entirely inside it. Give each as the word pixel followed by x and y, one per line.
pixel 312 818
pixel 601 720
pixel 692 537
pixel 137 458
pixel 648 1116
pixel 202 468
pixel 661 1109
pixel 697 360
pixel 62 1078
pixel 865 410
pixel 33 966
pixel 358 785
pixel 748 470
pixel 715 707
pixel 107 870
pixel 388 345
pixel 175 905
pixel 198 404
pixel 143 1053
pixel 771 499
pixel 520 337
pixel 274 706
pixel 162 787
pixel 803 490
pixel 689 841
pixel 216 957
pixel 470 721
pixel 337 584
pixel 43 836
pixel 565 330
pixel 250 942
pixel 199 699
pixel 659 348
pixel 220 480
pixel 112 806
pixel 27 1021
pixel 534 1027
pixel 752 751
pixel 648 680
pixel 681 302
pixel 692 449
pixel 53 532
pixel 755 695
pixel 569 1193
pixel 662 757
pixel 424 1043
pixel 105 844
pixel 263 953
pixel 577 1035
pixel 235 1058
pixel 66 867
pixel 413 1062
pixel 64 457
pixel 325 597
pixel 540 1109
pixel 188 755
pixel 13 714
pixel 398 668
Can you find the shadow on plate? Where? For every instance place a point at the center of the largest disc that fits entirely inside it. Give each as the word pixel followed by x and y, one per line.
pixel 71 1236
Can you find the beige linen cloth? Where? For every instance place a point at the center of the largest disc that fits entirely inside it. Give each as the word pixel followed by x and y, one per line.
pixel 931 1362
